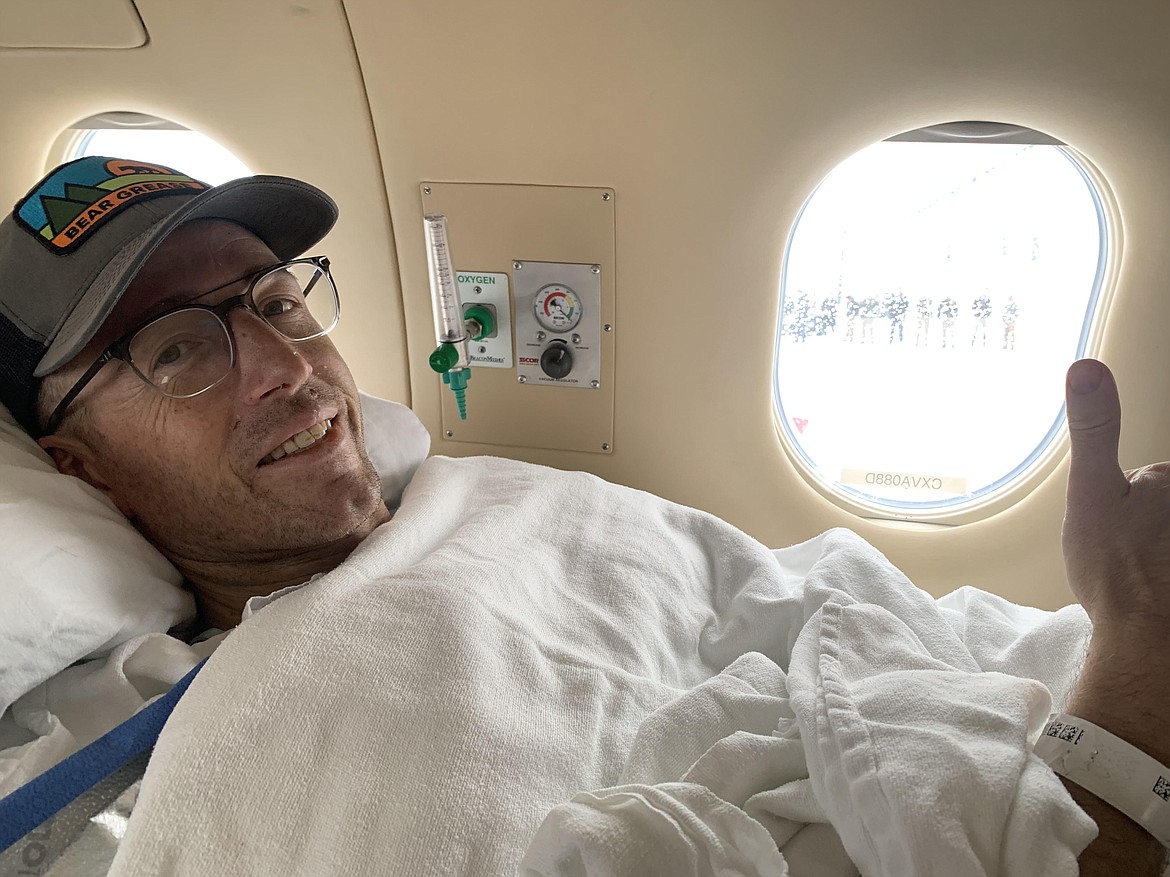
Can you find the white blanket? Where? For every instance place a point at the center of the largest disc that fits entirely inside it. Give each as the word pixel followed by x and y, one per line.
pixel 538 665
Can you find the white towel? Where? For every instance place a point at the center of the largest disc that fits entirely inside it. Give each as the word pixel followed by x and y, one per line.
pixel 914 718
pixel 521 643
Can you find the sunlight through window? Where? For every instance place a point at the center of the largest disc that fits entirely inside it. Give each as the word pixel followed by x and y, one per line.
pixel 933 295
pixel 131 135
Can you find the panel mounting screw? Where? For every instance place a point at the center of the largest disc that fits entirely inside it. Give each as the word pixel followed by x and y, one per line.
pixel 449 434
pixel 595 384
pixel 596 269
pixel 608 327
pixel 605 446
pixel 516 266
pixel 477 289
pixel 482 349
pixel 426 190
pixel 605 197
pixel 522 379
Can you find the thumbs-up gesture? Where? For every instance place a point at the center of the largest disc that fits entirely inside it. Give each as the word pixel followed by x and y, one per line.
pixel 1116 536
pixel 1117 555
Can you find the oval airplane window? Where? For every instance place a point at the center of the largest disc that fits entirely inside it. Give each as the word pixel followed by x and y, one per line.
pixel 935 288
pixel 148 138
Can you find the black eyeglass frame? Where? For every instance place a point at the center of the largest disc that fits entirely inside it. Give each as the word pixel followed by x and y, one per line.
pixel 120 349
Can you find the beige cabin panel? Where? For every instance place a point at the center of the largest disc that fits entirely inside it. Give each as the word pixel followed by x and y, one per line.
pixel 713 122
pixel 506 229
pixel 68 24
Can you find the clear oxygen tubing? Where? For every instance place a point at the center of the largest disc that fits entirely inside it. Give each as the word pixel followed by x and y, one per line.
pixel 445 303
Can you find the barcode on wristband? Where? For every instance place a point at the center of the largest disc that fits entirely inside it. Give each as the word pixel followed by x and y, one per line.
pixel 1062 731
pixel 1162 789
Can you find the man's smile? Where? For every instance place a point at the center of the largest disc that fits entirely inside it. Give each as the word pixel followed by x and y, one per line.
pixel 295 444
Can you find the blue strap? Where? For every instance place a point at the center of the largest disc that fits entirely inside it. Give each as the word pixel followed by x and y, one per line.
pixel 39 799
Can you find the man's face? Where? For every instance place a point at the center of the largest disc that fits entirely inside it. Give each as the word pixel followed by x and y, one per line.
pixel 188 472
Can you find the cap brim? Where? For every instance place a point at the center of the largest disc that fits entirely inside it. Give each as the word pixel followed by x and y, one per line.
pixel 288 215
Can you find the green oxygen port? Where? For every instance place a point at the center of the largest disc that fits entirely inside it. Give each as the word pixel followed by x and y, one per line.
pixel 482 316
pixel 457 381
pixel 444 357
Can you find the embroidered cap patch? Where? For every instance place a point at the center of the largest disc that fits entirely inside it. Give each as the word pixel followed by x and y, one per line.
pixel 78 197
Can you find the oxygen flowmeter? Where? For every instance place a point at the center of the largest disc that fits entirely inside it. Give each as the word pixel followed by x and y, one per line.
pixel 454 327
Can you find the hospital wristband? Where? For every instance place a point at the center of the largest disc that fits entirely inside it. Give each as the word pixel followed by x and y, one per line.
pixel 1119 774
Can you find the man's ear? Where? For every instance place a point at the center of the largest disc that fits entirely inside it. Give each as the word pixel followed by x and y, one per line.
pixel 73 457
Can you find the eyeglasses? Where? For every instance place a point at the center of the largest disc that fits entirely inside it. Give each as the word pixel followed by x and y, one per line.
pixel 188 350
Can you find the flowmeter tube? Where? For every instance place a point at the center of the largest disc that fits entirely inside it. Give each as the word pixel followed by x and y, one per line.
pixel 450 358
pixel 445 304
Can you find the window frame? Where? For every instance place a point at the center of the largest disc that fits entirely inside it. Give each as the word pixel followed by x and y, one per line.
pixel 1053 448
pixel 69 144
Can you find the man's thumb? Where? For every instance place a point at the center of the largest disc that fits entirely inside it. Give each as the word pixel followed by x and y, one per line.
pixel 1094 427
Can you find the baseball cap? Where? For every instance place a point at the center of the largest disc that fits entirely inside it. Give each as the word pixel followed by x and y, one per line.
pixel 72 245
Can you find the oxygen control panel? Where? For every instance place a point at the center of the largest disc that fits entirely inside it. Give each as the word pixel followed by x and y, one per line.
pixel 558 324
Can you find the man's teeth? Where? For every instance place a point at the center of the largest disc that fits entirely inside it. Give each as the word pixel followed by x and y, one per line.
pixel 300 441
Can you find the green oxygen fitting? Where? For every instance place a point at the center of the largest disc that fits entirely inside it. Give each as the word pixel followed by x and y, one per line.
pixel 483 319
pixel 442 360
pixel 480 323
pixel 457 381
pixel 444 357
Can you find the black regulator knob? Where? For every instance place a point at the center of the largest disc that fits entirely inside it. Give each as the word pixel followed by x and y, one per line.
pixel 557 360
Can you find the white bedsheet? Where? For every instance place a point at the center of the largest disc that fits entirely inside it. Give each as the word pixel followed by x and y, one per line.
pixel 83 702
pixel 521 643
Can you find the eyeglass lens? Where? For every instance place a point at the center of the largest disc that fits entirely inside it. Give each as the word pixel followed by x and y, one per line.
pixel 187 351
pixel 283 300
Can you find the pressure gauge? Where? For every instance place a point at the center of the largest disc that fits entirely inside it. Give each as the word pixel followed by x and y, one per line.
pixel 558 308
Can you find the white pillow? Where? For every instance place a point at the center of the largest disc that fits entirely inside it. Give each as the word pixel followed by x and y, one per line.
pixel 396 442
pixel 77 580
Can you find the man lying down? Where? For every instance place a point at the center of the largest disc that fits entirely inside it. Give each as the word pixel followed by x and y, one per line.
pixel 529 671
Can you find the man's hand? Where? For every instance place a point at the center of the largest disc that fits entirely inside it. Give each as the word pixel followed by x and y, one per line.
pixel 1116 535
pixel 1117 555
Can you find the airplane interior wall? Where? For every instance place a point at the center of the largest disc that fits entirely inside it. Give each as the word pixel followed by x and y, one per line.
pixel 711 121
